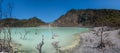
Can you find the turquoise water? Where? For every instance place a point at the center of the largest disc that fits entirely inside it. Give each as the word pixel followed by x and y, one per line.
pixel 30 37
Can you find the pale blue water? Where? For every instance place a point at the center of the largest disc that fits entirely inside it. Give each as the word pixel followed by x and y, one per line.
pixel 33 36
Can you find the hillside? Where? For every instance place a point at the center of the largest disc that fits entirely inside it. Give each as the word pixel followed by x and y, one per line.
pixel 13 22
pixel 89 17
pixel 74 17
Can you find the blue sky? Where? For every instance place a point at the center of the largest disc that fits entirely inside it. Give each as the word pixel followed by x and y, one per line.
pixel 50 10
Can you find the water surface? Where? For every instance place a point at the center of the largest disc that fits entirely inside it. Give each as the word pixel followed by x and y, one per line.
pixel 31 36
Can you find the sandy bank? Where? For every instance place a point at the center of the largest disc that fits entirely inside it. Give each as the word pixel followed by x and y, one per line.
pixel 89 42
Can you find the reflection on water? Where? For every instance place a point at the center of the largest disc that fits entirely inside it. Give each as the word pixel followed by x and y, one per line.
pixel 29 38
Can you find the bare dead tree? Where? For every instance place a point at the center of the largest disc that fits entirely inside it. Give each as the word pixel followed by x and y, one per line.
pixel 40 45
pixel 9 14
pixel 1 1
pixel 103 39
pixel 1 15
pixel 23 36
pixel 54 35
pixel 10 9
pixel 56 46
pixel 101 45
pixel 36 32
pixel 7 40
pixel 7 32
pixel 99 32
pixel 4 37
pixel 26 32
pixel 0 47
pixel 9 35
pixel 0 31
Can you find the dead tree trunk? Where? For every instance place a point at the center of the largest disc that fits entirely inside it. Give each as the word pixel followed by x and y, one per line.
pixel 56 46
pixel 9 40
pixel 0 47
pixel 1 1
pixel 9 37
pixel 26 32
pixel 101 45
pixel 39 46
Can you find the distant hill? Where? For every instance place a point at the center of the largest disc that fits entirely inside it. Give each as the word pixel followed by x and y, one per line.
pixel 89 17
pixel 13 22
pixel 74 17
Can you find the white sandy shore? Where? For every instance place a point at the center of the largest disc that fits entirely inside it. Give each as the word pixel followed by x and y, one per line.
pixel 73 44
pixel 89 41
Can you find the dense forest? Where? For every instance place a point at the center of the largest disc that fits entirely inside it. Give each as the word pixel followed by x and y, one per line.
pixel 14 22
pixel 90 17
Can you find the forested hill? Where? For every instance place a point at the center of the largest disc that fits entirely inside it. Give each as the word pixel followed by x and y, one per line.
pixel 74 17
pixel 89 17
pixel 13 22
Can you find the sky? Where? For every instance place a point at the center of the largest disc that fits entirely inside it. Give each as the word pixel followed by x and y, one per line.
pixel 50 10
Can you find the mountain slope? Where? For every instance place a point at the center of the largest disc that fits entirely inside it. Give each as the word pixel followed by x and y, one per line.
pixel 12 22
pixel 89 17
